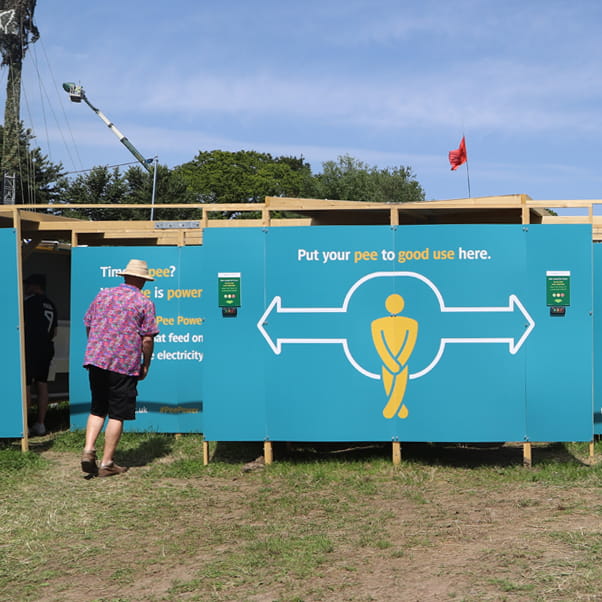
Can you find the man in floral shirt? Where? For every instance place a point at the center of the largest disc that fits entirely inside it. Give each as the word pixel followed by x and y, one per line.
pixel 121 327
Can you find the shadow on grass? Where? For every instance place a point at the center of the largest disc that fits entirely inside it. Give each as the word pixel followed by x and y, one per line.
pixel 441 454
pixel 144 448
pixel 235 452
pixel 135 449
pixel 153 446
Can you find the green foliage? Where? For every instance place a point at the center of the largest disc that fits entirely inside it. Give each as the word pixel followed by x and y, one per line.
pixel 353 180
pixel 13 461
pixel 37 179
pixel 222 177
pixel 169 188
pixel 244 177
pixel 102 185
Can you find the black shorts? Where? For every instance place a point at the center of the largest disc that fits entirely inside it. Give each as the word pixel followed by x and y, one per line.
pixel 37 364
pixel 113 394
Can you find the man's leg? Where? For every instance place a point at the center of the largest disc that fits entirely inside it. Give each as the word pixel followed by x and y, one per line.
pixel 42 401
pixel 112 437
pixel 93 428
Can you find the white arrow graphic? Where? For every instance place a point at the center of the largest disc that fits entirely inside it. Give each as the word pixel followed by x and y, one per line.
pixel 513 304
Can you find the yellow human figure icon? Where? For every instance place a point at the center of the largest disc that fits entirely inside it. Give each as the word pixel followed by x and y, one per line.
pixel 394 338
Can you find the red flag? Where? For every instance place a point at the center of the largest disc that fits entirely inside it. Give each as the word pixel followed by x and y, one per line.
pixel 458 156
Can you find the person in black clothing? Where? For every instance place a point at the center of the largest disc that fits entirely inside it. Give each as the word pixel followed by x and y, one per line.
pixel 40 328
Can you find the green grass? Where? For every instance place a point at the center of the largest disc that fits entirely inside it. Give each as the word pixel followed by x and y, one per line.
pixel 315 525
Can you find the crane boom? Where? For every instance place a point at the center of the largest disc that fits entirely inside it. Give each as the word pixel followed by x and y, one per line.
pixel 77 94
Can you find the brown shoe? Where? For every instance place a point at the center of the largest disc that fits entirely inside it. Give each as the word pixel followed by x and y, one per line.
pixel 89 462
pixel 111 469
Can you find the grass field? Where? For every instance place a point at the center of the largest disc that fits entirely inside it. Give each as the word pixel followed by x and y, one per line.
pixel 323 522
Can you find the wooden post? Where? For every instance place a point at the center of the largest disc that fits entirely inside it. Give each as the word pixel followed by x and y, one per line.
pixel 525 210
pixel 24 385
pixel 205 452
pixel 265 217
pixel 394 216
pixel 591 452
pixel 268 454
pixel 396 453
pixel 527 458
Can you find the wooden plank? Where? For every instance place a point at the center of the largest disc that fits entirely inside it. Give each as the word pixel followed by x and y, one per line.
pixel 565 203
pixel 268 453
pixel 18 238
pixel 527 455
pixel 205 445
pixel 396 453
pixel 494 209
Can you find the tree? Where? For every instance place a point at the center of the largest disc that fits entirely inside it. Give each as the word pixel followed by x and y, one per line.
pixel 99 186
pixel 169 188
pixel 17 31
pixel 103 186
pixel 235 177
pixel 244 177
pixel 353 180
pixel 37 179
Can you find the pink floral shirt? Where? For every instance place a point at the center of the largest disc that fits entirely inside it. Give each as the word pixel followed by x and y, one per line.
pixel 117 320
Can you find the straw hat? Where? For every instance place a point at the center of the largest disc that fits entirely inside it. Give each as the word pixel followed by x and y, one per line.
pixel 137 268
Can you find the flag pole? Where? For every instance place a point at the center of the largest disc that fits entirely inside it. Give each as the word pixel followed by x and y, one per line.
pixel 467 172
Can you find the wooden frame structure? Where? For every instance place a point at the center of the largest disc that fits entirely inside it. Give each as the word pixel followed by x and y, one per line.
pixel 35 223
pixel 41 222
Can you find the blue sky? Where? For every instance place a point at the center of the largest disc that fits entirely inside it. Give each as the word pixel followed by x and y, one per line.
pixel 389 82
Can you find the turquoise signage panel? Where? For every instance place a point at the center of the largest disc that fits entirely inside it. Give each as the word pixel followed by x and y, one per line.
pixel 597 339
pixel 11 412
pixel 560 352
pixel 236 355
pixel 169 399
pixel 435 333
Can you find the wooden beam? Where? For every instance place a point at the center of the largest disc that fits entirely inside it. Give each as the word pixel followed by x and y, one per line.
pixel 18 238
pixel 268 453
pixel 396 453
pixel 525 210
pixel 517 208
pixel 205 452
pixel 527 455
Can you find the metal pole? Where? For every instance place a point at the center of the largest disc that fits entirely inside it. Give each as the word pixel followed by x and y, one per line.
pixel 155 163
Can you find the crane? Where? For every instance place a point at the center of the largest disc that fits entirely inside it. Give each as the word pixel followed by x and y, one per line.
pixel 77 94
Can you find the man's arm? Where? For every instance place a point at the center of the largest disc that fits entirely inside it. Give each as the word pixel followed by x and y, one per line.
pixel 148 344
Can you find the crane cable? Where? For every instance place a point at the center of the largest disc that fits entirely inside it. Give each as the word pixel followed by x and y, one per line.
pixel 26 166
pixel 77 161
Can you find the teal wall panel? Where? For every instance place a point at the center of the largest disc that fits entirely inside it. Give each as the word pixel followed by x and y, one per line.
pixel 11 413
pixel 478 370
pixel 316 348
pixel 597 335
pixel 170 398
